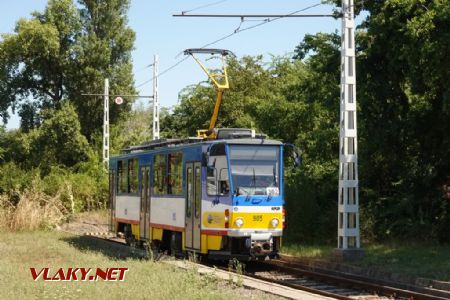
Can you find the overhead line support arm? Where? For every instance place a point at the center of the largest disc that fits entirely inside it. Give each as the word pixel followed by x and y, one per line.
pixel 258 15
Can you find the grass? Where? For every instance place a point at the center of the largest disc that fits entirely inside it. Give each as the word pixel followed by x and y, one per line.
pixel 428 261
pixel 308 251
pixel 145 279
pixel 418 260
pixel 30 209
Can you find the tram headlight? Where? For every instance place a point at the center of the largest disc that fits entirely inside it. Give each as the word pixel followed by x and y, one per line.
pixel 274 222
pixel 239 222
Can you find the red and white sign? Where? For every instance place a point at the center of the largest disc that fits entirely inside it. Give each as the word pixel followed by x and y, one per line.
pixel 118 100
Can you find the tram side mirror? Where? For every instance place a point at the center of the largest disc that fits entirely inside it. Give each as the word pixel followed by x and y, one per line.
pixel 224 186
pixel 211 180
pixel 293 154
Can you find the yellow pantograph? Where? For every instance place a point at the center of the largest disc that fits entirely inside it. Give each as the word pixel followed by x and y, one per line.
pixel 220 81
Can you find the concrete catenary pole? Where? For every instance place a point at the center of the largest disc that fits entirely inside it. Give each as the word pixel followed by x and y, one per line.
pixel 155 100
pixel 348 199
pixel 106 124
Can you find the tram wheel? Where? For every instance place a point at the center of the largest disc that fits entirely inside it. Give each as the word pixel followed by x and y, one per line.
pixel 175 244
pixel 129 238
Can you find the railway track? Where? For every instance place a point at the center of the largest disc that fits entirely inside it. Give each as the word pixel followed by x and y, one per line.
pixel 327 284
pixel 335 286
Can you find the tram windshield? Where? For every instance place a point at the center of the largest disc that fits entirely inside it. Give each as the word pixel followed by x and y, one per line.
pixel 255 170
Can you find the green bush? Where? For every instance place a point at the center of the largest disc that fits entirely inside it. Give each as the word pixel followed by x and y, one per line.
pixel 83 187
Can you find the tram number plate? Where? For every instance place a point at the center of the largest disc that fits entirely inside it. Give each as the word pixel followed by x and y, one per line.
pixel 257 218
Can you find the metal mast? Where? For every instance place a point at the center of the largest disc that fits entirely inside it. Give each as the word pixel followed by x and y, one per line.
pixel 155 99
pixel 348 199
pixel 106 124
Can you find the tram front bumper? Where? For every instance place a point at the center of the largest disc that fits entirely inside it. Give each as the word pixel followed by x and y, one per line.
pixel 257 243
pixel 260 243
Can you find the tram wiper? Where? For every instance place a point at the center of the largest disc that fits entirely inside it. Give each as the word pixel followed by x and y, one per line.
pixel 274 176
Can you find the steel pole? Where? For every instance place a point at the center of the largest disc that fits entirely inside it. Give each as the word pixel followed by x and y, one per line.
pixel 106 125
pixel 155 100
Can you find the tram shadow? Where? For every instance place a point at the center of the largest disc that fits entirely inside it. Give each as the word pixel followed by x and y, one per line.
pixel 108 248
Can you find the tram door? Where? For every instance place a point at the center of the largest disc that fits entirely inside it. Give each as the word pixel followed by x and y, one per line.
pixel 145 203
pixel 112 199
pixel 193 204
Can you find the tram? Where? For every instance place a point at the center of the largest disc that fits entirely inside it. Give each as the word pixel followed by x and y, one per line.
pixel 221 198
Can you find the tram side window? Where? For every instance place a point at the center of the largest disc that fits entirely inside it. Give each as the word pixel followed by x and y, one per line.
pixel 159 174
pixel 122 178
pixel 133 176
pixel 217 177
pixel 198 191
pixel 175 174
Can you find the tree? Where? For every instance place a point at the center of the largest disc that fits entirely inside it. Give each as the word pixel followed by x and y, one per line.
pixel 35 60
pixel 103 51
pixel 249 82
pixel 63 52
pixel 59 140
pixel 405 107
pixel 2 142
pixel 135 130
pixel 404 117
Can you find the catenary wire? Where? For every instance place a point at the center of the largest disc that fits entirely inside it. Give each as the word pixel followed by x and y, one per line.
pixel 203 6
pixel 236 31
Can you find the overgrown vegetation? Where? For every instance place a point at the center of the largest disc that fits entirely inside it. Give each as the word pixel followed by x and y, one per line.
pixel 48 173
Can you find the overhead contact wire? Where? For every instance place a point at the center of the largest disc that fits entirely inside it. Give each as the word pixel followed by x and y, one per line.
pixel 236 31
pixel 203 6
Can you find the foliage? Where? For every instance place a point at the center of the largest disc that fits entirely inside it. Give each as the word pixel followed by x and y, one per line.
pixel 57 159
pixel 49 199
pixel 14 179
pixel 403 119
pixel 50 60
pixel 59 140
pixel 63 52
pixel 103 50
pixel 247 84
pixel 135 129
pixel 406 117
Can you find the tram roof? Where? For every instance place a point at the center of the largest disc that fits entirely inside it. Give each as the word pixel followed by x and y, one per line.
pixel 169 143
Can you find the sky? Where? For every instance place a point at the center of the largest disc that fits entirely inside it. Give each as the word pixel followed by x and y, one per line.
pixel 158 32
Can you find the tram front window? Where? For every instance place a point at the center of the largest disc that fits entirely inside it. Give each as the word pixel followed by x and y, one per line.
pixel 255 169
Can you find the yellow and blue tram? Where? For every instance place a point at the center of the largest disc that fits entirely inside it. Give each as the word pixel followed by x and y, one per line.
pixel 221 198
